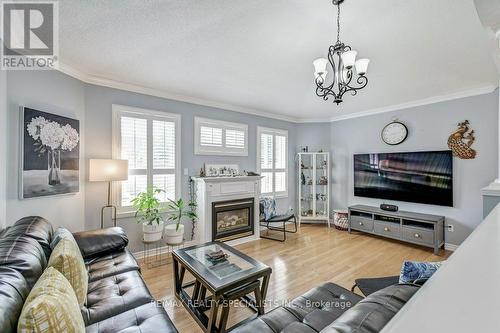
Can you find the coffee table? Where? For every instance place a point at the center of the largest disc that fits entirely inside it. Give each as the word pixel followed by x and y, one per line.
pixel 235 276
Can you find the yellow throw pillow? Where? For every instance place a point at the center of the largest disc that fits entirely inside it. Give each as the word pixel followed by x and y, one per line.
pixel 51 306
pixel 67 259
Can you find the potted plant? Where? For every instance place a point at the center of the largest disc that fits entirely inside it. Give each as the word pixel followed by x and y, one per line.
pixel 148 212
pixel 176 211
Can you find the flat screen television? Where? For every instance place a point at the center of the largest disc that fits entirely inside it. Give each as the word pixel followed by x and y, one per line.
pixel 422 177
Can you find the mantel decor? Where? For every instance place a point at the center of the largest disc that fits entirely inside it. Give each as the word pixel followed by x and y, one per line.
pixel 342 59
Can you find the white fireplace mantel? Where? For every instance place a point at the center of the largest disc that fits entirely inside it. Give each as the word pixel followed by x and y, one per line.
pixel 216 189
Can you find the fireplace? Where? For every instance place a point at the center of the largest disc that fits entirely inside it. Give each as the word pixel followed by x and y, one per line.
pixel 232 219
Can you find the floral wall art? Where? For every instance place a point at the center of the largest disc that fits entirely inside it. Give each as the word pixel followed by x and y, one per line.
pixel 51 154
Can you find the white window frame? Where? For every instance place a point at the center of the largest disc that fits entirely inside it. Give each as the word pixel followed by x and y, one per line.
pixel 119 111
pixel 219 151
pixel 280 132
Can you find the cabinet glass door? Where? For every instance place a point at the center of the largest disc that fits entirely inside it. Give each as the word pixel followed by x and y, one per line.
pixel 321 185
pixel 306 185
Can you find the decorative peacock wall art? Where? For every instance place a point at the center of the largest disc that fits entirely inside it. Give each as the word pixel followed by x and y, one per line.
pixel 461 140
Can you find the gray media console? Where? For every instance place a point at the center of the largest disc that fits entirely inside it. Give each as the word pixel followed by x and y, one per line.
pixel 416 228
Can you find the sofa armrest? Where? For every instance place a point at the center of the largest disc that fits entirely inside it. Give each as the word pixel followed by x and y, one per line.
pixel 101 241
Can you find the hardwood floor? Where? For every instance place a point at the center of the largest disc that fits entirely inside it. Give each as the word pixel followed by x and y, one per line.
pixel 314 255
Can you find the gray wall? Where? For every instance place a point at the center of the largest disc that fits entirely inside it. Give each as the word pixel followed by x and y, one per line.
pixel 53 92
pixel 3 148
pixel 429 128
pixel 98 142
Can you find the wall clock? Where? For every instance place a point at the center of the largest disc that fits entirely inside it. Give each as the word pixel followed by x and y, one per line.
pixel 394 133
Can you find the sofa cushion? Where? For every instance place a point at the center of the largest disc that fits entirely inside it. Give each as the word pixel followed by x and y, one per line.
pixel 51 306
pixel 25 255
pixel 96 243
pixel 112 295
pixel 147 318
pixel 67 259
pixel 111 264
pixel 374 312
pixel 35 227
pixel 310 312
pixel 13 292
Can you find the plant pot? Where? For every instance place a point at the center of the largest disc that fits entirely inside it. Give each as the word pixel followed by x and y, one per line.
pixel 153 232
pixel 174 236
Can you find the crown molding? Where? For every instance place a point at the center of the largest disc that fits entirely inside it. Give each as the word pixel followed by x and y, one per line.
pixel 426 101
pixel 99 81
pixel 103 82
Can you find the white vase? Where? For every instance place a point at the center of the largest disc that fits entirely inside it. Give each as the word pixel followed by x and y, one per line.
pixel 152 232
pixel 172 235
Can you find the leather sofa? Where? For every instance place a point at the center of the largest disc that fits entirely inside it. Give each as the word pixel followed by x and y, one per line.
pixel 330 308
pixel 117 300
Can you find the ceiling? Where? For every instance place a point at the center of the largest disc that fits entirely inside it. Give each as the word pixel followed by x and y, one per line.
pixel 256 56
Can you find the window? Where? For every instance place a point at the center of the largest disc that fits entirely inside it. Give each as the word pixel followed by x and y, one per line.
pixel 150 141
pixel 272 161
pixel 216 137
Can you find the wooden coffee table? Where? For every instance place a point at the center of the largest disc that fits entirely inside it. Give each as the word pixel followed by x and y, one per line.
pixel 236 276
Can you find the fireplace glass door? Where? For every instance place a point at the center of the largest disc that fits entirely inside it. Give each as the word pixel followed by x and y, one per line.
pixel 232 219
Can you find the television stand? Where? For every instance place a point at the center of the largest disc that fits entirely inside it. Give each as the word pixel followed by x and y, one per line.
pixel 416 228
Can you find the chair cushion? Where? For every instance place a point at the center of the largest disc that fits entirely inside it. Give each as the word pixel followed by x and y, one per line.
pixel 113 295
pixel 59 234
pixel 25 255
pixel 374 312
pixel 34 227
pixel 308 313
pixel 267 207
pixel 111 264
pixel 67 259
pixel 281 218
pixel 13 292
pixel 147 318
pixel 51 306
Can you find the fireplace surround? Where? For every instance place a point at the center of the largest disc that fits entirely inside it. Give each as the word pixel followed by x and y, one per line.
pixel 229 200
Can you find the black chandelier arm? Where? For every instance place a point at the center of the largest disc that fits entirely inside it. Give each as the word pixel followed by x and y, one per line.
pixel 325 92
pixel 362 82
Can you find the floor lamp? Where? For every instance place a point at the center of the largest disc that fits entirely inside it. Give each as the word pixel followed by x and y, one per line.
pixel 107 170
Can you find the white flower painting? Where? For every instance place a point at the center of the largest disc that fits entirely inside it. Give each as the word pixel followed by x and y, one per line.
pixel 50 156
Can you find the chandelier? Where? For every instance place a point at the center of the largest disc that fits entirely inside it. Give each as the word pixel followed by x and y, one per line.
pixel 342 61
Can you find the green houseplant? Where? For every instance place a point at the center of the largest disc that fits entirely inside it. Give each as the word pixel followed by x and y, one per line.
pixel 148 210
pixel 176 211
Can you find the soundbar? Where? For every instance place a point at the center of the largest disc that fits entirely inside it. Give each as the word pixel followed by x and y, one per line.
pixel 389 208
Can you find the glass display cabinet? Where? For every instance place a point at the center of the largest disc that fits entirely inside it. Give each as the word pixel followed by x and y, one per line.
pixel 314 187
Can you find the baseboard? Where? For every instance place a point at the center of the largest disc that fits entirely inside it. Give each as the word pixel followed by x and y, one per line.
pixel 162 250
pixel 450 247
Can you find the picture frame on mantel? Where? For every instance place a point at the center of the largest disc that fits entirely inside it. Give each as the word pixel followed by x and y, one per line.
pixel 49 154
pixel 222 170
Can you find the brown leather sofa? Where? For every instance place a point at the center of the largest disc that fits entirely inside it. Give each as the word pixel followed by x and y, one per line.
pixel 117 300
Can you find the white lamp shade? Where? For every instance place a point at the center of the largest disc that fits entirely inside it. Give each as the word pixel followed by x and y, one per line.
pixel 320 66
pixel 107 170
pixel 349 58
pixel 362 66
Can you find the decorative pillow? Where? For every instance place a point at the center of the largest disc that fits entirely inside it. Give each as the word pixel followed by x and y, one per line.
pixel 51 306
pixel 59 234
pixel 269 207
pixel 68 260
pixel 417 272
